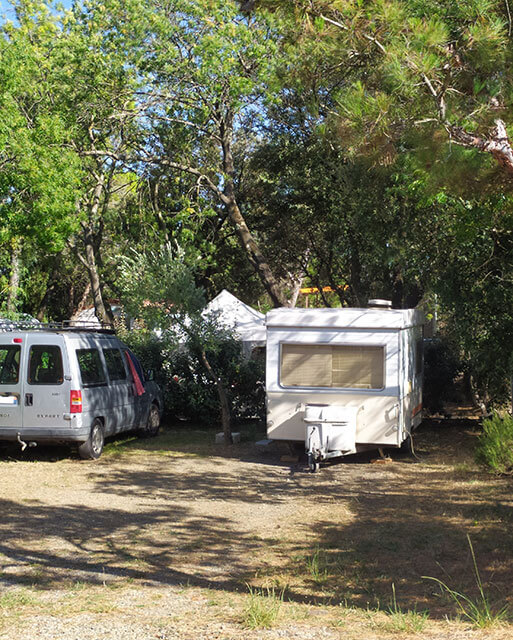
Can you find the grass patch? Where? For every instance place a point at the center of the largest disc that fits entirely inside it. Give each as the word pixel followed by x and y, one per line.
pixel 263 608
pixel 16 598
pixel 165 444
pixel 479 611
pixel 399 621
pixel 317 567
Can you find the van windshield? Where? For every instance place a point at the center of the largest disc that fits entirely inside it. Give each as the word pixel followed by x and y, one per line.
pixel 9 364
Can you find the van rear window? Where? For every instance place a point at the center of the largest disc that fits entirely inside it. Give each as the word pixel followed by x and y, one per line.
pixel 9 364
pixel 45 365
pixel 91 368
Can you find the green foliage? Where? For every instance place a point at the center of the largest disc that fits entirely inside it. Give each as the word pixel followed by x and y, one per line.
pixel 40 172
pixel 495 446
pixel 406 67
pixel 191 394
pixel 159 289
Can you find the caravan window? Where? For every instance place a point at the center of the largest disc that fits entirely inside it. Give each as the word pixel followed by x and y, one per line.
pixel 338 366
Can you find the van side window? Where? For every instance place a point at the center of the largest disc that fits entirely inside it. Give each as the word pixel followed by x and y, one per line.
pixel 45 365
pixel 91 368
pixel 9 364
pixel 114 361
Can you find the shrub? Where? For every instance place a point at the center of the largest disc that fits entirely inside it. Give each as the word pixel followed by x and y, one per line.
pixel 495 448
pixel 191 394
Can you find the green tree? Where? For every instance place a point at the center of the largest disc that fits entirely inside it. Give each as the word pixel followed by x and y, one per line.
pixel 205 71
pixel 416 70
pixel 159 288
pixel 39 174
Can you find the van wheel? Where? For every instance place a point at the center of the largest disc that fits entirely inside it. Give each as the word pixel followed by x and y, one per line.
pixel 152 423
pixel 92 448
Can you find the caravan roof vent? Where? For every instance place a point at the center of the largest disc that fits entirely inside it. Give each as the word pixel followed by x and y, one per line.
pixel 379 304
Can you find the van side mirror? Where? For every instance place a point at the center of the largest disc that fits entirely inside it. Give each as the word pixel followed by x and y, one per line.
pixel 150 374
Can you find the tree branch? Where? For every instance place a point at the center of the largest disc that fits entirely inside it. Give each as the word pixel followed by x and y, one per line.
pixel 368 37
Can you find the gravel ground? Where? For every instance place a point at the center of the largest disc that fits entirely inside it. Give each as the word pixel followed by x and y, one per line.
pixel 165 539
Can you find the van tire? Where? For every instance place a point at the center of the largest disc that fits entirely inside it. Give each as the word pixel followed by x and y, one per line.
pixel 152 426
pixel 92 448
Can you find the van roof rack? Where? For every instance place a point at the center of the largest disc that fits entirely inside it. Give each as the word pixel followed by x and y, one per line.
pixel 64 325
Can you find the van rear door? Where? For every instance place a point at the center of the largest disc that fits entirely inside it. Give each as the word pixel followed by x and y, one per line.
pixel 46 384
pixel 11 353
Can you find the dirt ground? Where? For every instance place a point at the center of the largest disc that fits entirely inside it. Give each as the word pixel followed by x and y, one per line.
pixel 180 538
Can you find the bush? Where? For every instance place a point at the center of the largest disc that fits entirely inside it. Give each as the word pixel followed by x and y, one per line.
pixel 191 394
pixel 495 448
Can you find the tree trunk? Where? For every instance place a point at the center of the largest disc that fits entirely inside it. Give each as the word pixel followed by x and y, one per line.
pixel 511 381
pixel 296 284
pixel 14 278
pixel 223 400
pixel 246 240
pixel 103 310
pixel 83 302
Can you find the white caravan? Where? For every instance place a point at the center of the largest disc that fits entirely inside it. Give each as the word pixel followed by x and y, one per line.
pixel 343 380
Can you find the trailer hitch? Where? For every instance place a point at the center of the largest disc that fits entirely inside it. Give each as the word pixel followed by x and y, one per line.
pixel 24 444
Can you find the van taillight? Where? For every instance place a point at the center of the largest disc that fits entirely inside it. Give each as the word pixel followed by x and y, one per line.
pixel 75 401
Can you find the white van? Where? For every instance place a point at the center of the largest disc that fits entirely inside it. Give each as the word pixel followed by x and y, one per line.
pixel 343 380
pixel 69 385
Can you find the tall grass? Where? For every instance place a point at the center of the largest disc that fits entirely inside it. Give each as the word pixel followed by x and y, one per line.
pixel 411 621
pixel 316 565
pixel 263 608
pixel 495 447
pixel 479 611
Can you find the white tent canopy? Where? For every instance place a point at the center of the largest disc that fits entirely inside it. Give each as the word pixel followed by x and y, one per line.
pixel 247 323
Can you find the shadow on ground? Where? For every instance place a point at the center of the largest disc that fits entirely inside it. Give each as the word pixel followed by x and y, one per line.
pixel 172 512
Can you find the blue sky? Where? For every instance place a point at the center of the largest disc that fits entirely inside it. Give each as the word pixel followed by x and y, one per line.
pixel 6 9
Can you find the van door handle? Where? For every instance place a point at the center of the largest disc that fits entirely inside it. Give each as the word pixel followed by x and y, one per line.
pixel 29 400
